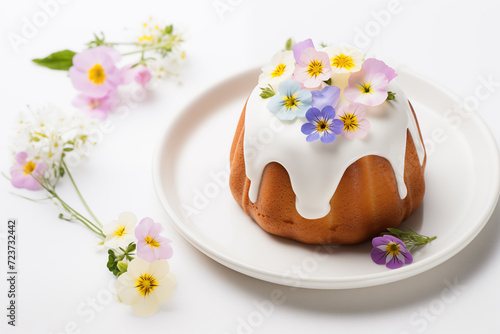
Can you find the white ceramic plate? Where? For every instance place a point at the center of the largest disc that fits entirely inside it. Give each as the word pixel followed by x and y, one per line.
pixel 191 169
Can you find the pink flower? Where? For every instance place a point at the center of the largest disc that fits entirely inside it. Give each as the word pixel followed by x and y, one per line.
pixel 97 107
pixel 151 246
pixel 140 74
pixel 369 86
pixel 313 67
pixel 24 173
pixel 355 124
pixel 94 72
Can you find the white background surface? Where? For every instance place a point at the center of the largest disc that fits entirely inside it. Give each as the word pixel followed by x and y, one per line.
pixel 63 280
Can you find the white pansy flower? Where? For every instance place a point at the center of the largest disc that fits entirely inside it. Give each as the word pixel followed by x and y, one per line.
pixel 278 70
pixel 120 233
pixel 145 286
pixel 344 59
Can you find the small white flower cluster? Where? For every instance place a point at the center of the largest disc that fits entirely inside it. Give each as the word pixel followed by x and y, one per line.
pixel 48 132
pixel 150 33
pixel 169 66
pixel 168 57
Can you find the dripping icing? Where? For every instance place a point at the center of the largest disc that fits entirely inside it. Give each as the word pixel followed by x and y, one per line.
pixel 315 169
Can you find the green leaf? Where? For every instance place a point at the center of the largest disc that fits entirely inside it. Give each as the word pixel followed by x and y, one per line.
pixel 289 44
pixel 61 171
pixel 168 30
pixel 410 238
pixel 61 60
pixel 328 82
pixel 131 247
pixel 122 267
pixel 391 96
pixel 267 92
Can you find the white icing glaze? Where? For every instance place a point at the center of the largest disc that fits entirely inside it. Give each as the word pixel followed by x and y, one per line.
pixel 315 169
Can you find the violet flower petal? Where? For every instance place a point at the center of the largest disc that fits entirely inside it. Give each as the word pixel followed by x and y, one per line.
pixel 312 137
pixel 394 263
pixel 378 256
pixel 328 96
pixel 328 137
pixel 299 47
pixel 337 126
pixel 307 128
pixel 313 114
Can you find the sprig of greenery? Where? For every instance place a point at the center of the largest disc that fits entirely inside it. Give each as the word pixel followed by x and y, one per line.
pixel 267 92
pixel 115 264
pixel 289 45
pixel 391 96
pixel 410 238
pixel 98 41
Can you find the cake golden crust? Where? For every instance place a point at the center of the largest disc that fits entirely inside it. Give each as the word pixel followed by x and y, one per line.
pixel 364 205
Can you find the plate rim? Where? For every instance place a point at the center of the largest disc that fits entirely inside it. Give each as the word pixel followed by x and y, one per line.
pixel 345 282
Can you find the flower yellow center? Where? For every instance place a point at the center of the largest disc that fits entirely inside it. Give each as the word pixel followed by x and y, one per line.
pixel 366 88
pixel 97 74
pixel 146 38
pixel 322 126
pixel 392 248
pixel 278 71
pixel 151 242
pixel 29 167
pixel 342 61
pixel 315 68
pixel 145 284
pixel 350 122
pixel 120 231
pixel 291 102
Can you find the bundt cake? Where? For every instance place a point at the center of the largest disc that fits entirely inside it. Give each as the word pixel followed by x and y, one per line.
pixel 327 148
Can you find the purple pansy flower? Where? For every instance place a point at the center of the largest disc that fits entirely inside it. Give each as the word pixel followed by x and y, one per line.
pixel 328 96
pixel 390 251
pixel 322 125
pixel 151 246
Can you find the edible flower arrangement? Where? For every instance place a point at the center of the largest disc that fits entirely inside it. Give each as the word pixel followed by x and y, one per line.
pixel 49 143
pixel 299 82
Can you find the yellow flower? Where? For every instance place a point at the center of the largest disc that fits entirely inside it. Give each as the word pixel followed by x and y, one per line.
pixel 145 286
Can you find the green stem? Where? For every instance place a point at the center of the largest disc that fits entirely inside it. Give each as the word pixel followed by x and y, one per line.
pixel 145 49
pixel 120 43
pixel 79 193
pixel 168 44
pixel 80 217
pixel 72 211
